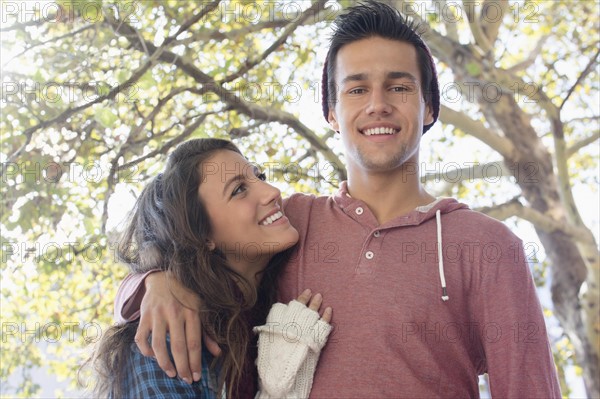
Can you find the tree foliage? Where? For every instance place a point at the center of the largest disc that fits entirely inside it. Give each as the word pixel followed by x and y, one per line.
pixel 96 93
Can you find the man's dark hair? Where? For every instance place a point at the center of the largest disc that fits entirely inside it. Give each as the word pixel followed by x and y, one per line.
pixel 377 19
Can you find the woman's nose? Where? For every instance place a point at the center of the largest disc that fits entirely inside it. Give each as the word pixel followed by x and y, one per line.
pixel 269 193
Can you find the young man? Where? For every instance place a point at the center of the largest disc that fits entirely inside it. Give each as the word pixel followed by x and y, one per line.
pixel 427 294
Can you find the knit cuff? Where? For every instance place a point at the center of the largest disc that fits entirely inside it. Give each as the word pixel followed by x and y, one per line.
pixel 295 322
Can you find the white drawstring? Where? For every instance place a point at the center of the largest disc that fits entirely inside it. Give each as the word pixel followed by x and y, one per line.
pixel 438 219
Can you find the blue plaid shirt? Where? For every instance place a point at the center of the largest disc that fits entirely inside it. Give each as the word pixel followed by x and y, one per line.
pixel 148 380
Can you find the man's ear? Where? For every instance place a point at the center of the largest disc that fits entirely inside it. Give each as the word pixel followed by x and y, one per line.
pixel 333 121
pixel 428 117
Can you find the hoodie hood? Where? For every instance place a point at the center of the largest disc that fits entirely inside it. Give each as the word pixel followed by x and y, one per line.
pixel 442 205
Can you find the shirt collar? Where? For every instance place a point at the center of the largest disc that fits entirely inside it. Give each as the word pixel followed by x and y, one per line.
pixel 342 197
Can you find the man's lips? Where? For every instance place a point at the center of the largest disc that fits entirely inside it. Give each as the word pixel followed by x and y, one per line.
pixel 375 130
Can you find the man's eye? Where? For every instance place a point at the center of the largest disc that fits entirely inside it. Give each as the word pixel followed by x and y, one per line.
pixel 262 176
pixel 358 90
pixel 400 88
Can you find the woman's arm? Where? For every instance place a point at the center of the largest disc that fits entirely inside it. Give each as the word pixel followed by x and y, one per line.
pixel 289 345
pixel 145 379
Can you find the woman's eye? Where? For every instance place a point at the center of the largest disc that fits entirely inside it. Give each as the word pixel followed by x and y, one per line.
pixel 239 189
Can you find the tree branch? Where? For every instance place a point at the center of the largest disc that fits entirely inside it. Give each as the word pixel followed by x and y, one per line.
pixel 301 173
pixel 565 189
pixel 213 34
pixel 476 129
pixel 72 111
pixel 157 53
pixel 178 139
pixel 594 118
pixel 526 63
pixel 161 102
pixel 314 9
pixel 456 56
pixel 470 173
pixel 586 71
pixel 451 30
pixel 195 18
pixel 582 143
pixel 491 26
pixel 233 101
pixel 32 22
pixel 54 39
pixel 113 175
pixel 540 220
pixel 477 30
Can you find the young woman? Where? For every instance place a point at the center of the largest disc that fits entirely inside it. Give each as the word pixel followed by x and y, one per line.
pixel 217 228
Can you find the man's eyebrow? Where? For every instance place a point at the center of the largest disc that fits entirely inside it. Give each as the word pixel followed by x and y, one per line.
pixel 229 182
pixel 402 75
pixel 355 77
pixel 391 75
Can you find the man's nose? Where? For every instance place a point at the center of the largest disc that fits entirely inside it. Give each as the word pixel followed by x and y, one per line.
pixel 378 103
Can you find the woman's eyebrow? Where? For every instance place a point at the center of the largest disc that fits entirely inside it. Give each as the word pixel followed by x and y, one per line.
pixel 229 182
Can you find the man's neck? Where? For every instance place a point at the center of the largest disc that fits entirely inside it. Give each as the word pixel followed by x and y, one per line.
pixel 388 194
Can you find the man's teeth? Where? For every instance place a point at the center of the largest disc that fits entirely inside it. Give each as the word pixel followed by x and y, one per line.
pixel 272 218
pixel 380 130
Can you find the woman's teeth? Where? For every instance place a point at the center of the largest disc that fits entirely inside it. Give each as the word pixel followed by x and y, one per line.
pixel 272 218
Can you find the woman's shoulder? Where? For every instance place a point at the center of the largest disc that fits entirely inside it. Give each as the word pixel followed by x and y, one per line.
pixel 146 379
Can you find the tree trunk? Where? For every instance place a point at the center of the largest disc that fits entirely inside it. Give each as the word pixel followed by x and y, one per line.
pixel 532 166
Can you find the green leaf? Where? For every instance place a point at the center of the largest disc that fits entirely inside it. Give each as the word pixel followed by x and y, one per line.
pixel 473 69
pixel 105 117
pixel 147 81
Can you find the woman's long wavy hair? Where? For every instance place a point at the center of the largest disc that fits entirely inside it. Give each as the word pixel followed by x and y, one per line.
pixel 169 230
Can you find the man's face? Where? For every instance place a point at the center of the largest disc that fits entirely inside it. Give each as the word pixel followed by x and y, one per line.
pixel 380 110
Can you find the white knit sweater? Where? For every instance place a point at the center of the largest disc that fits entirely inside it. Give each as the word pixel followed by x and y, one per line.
pixel 289 345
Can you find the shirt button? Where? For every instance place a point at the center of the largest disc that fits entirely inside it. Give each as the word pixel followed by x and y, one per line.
pixel 369 255
pixel 359 211
pixel 376 234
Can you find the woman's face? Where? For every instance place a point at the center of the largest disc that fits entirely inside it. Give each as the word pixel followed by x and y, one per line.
pixel 247 220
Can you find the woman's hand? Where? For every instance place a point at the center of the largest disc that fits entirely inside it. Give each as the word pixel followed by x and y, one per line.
pixel 315 304
pixel 289 346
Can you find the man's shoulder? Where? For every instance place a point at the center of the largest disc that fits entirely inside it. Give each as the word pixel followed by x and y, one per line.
pixel 301 200
pixel 302 208
pixel 475 223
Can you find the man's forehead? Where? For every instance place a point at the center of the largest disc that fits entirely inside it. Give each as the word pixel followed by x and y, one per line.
pixel 362 59
pixel 391 75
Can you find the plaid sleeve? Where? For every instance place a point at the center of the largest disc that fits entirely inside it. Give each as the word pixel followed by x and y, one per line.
pixel 148 380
